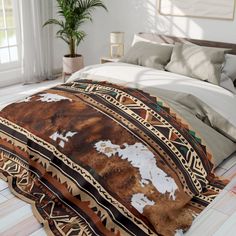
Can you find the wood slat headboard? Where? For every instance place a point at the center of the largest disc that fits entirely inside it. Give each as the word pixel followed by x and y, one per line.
pixel 171 40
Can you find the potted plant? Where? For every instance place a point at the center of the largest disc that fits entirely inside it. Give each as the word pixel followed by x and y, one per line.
pixel 73 14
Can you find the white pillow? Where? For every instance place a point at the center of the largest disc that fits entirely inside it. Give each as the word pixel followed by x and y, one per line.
pixel 137 38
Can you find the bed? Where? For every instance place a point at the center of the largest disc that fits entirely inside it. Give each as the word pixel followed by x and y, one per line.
pixel 119 149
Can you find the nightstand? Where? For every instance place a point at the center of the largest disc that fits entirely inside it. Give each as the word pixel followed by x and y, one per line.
pixel 108 59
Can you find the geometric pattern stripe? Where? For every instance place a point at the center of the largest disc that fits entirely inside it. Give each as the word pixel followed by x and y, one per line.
pixel 186 149
pixel 104 196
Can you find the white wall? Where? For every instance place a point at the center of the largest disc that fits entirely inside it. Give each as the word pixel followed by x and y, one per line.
pixel 133 16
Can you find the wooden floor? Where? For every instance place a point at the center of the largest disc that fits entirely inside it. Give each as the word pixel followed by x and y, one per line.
pixel 16 92
pixel 16 217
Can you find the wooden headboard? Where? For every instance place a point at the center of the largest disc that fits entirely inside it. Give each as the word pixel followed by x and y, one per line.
pixel 171 40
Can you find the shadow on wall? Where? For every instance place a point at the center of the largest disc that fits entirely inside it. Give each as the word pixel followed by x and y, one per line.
pixel 143 16
pixel 163 24
pixel 131 16
pixel 199 28
pixel 134 16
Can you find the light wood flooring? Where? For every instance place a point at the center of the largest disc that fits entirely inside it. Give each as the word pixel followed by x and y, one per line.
pixel 16 217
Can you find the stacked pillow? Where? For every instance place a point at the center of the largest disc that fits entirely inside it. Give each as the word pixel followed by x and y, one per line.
pixel 204 63
pixel 149 54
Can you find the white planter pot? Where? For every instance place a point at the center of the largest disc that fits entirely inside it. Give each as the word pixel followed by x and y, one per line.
pixel 72 64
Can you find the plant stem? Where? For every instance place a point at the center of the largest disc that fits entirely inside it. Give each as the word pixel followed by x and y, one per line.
pixel 72 47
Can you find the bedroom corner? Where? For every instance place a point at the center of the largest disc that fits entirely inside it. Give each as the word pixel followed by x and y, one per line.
pixel 117 117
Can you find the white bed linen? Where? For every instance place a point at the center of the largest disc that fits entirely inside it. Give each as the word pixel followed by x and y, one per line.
pixel 220 99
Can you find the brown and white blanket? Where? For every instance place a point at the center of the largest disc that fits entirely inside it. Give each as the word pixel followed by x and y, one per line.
pixel 100 159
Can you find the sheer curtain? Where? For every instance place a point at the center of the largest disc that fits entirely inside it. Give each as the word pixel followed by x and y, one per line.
pixel 37 54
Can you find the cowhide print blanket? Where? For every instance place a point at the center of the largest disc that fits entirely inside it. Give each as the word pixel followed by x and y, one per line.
pixel 100 159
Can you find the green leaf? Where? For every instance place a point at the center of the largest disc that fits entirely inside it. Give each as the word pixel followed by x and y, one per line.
pixel 73 14
pixel 53 21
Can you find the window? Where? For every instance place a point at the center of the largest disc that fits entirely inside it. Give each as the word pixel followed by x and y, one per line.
pixel 9 40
